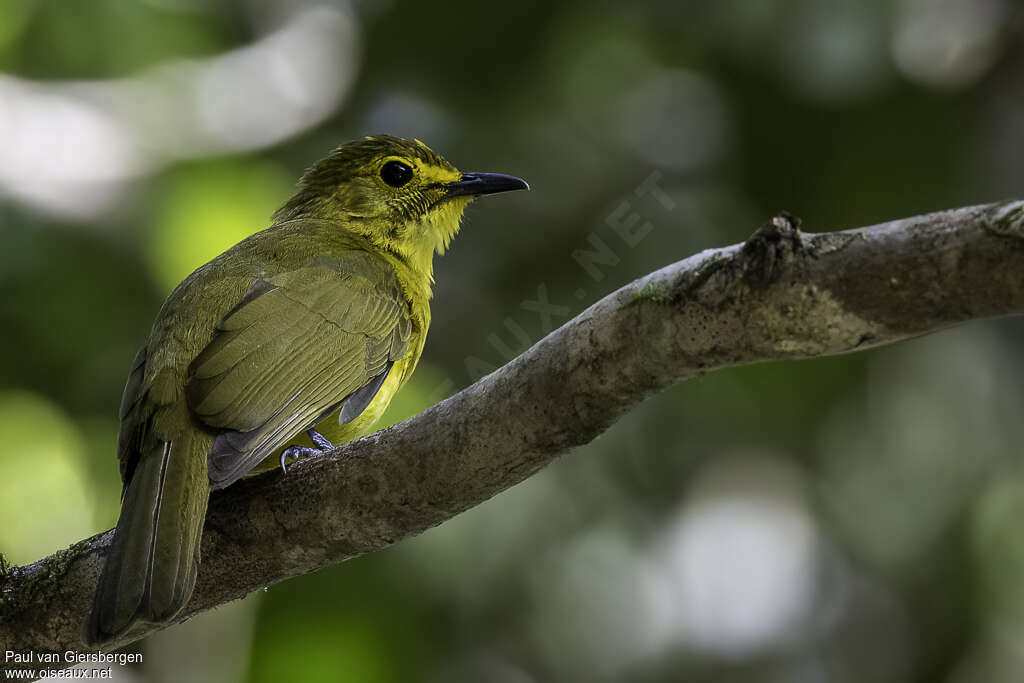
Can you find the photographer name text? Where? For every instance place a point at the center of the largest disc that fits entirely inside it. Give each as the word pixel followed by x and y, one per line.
pixel 72 657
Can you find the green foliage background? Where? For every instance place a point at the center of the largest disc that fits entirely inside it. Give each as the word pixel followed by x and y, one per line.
pixel 846 519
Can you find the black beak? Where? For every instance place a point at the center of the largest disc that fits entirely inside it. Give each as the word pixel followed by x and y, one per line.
pixel 484 183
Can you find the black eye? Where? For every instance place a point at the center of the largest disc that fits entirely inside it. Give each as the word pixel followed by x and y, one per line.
pixel 395 173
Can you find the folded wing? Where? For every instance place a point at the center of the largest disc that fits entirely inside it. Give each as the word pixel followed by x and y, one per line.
pixel 299 346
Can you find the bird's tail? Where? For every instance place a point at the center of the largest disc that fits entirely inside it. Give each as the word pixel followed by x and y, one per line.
pixel 151 565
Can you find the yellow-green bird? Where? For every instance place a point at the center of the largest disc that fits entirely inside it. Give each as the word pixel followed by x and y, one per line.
pixel 310 325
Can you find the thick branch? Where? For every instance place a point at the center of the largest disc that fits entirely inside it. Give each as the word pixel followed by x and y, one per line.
pixel 781 295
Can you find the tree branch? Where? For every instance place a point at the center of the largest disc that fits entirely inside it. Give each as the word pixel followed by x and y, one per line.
pixel 781 295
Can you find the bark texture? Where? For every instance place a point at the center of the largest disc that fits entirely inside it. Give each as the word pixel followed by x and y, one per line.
pixel 783 294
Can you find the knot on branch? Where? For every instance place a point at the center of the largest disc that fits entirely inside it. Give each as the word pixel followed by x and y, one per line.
pixel 772 247
pixel 1008 219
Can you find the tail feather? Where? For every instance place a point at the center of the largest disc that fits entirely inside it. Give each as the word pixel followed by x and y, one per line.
pixel 151 566
pixel 179 528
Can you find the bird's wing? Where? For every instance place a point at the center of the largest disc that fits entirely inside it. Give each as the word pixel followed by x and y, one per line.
pixel 299 346
pixel 127 414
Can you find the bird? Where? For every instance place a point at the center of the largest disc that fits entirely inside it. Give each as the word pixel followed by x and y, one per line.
pixel 305 328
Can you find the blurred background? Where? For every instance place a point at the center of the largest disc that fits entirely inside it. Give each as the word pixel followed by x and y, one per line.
pixel 845 519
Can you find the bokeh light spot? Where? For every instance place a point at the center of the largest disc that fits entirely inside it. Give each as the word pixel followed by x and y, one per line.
pixel 208 208
pixel 46 503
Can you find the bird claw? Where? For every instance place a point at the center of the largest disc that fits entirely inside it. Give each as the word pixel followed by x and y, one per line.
pixel 323 445
pixel 297 452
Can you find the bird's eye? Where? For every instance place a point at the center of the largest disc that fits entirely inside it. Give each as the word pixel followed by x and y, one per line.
pixel 395 173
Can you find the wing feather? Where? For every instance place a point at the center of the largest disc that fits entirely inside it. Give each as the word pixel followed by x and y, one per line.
pixel 296 347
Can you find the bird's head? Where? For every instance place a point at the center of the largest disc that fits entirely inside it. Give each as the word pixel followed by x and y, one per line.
pixel 397 193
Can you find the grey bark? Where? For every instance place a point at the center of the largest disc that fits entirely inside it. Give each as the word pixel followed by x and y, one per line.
pixel 783 294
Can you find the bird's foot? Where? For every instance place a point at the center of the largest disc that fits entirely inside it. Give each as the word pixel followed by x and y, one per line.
pixel 322 445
